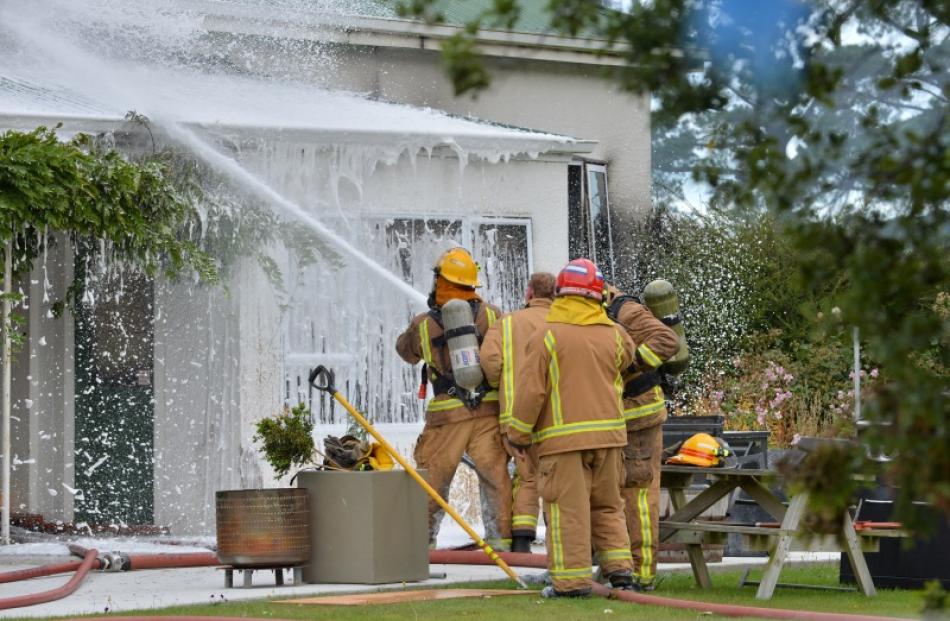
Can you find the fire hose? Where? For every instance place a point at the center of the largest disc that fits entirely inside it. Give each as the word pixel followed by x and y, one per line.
pixel 92 559
pixel 470 557
pixel 39 572
pixel 117 562
pixel 732 610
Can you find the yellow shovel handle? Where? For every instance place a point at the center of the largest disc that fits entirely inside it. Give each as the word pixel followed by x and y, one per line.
pixel 428 488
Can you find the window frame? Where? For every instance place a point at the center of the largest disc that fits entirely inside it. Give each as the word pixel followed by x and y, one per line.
pixel 608 263
pixel 293 359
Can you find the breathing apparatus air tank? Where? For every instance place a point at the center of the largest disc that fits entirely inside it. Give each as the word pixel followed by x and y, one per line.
pixel 461 339
pixel 660 297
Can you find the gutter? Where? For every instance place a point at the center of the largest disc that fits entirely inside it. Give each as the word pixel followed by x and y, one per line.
pixel 400 33
pixel 244 137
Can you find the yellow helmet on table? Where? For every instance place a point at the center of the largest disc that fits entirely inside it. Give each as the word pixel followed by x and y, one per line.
pixel 701 450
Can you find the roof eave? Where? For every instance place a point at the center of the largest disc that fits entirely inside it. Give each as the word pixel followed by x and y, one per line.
pixel 530 145
pixel 399 33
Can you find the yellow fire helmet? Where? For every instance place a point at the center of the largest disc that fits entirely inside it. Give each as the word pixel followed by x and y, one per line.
pixel 458 266
pixel 701 450
pixel 379 458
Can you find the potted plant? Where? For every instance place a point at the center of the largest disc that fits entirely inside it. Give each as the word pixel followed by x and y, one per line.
pixel 287 439
pixel 368 523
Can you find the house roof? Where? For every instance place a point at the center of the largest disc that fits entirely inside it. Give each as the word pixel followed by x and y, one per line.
pixel 240 106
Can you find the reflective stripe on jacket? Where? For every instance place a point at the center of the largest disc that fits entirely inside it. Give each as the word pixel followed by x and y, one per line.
pixel 571 389
pixel 656 343
pixel 503 352
pixel 415 345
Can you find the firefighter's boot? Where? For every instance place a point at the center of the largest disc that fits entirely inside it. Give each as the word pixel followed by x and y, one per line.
pixel 521 543
pixel 622 580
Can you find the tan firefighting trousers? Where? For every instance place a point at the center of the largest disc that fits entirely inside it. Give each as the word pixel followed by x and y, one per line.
pixel 439 450
pixel 524 488
pixel 641 495
pixel 582 503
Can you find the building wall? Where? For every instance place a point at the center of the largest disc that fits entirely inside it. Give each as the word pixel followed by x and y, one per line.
pixel 197 403
pixel 570 99
pixel 41 417
pixel 204 427
pixel 218 351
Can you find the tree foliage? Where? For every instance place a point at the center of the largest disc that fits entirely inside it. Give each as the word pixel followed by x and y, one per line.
pixel 835 120
pixel 96 197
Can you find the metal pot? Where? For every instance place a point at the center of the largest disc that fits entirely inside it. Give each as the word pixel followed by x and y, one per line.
pixel 263 527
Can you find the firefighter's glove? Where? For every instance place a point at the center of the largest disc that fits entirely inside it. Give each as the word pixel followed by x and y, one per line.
pixel 671 451
pixel 347 452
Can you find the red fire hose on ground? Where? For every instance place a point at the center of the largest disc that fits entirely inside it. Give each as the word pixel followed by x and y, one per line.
pixel 39 572
pixel 92 559
pixel 476 557
pixel 128 562
pixel 451 557
pixel 89 559
pixel 731 610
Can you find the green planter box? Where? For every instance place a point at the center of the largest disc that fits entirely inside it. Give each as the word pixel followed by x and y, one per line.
pixel 366 527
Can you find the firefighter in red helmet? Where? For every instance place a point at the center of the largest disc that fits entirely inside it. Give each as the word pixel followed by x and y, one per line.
pixel 570 407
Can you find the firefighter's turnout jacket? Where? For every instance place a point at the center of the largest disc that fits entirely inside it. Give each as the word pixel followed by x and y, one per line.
pixel 569 404
pixel 562 404
pixel 503 357
pixel 503 352
pixel 644 409
pixel 644 404
pixel 424 341
pixel 452 429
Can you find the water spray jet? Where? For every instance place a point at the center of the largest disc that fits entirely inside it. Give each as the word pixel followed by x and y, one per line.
pixel 231 168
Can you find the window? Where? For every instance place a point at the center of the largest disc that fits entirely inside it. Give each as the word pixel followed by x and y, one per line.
pixel 339 317
pixel 589 218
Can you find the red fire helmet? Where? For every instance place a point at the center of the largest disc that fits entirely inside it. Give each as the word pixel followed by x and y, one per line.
pixel 581 277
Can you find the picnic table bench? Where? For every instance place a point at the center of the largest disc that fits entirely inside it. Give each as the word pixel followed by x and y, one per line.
pixel 683 526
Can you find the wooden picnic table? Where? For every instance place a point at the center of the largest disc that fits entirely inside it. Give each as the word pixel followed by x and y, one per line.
pixel 684 527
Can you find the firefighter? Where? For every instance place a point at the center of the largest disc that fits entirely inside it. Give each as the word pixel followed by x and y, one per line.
pixel 644 409
pixel 454 427
pixel 503 357
pixel 570 405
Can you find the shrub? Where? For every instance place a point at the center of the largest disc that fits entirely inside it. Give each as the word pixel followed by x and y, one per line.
pixel 286 439
pixel 766 348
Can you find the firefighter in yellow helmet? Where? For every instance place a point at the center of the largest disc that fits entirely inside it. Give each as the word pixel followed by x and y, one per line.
pixel 454 427
pixel 503 358
pixel 569 406
pixel 644 410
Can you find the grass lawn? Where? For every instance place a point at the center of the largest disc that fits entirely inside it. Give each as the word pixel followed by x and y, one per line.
pixel 527 608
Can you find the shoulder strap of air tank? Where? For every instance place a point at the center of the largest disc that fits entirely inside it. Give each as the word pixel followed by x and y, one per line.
pixel 435 313
pixel 613 311
pixel 477 304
